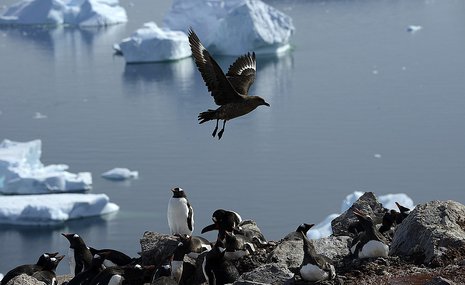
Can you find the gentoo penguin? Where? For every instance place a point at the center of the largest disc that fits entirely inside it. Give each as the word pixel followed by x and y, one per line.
pixel 95 268
pixel 48 275
pixel 404 212
pixel 46 262
pixel 129 274
pixel 164 270
pixel 180 213
pixel 370 242
pixel 112 257
pixel 237 246
pixel 393 218
pixel 314 267
pixel 192 246
pixel 79 254
pixel 223 220
pixel 218 270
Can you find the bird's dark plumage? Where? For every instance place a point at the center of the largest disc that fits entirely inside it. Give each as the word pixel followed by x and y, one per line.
pixel 229 91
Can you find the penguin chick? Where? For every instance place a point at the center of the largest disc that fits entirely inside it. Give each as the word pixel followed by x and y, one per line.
pixel 79 254
pixel 370 242
pixel 314 267
pixel 180 213
pixel 223 220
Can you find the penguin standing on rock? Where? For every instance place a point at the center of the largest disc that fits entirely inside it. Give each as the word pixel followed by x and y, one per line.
pixel 80 257
pixel 370 242
pixel 180 213
pixel 216 269
pixel 47 274
pixel 314 267
pixel 224 220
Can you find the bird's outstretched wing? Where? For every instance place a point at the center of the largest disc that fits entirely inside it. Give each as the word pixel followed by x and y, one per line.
pixel 242 72
pixel 219 86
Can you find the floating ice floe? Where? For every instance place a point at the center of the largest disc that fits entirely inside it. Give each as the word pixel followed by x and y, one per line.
pixel 233 27
pixel 52 209
pixel 120 174
pixel 21 171
pixel 152 43
pixel 65 12
pixel 413 28
pixel 323 229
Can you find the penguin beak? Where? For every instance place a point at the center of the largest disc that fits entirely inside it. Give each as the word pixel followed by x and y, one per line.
pixel 209 228
pixel 59 258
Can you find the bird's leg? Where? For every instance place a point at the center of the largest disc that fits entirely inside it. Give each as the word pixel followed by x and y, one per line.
pixel 220 134
pixel 216 128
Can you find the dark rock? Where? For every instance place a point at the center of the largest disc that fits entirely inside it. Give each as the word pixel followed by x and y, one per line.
pixel 433 233
pixel 164 280
pixel 367 203
pixel 438 280
pixel 273 274
pixel 24 279
pixel 251 230
pixel 288 252
pixel 157 247
pixel 333 246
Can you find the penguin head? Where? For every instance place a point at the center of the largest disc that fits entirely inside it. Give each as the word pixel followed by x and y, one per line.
pixel 74 240
pixel 52 261
pixel 44 258
pixel 303 228
pixel 402 209
pixel 178 192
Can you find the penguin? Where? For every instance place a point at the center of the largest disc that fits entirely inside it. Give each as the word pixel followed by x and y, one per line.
pixel 112 257
pixel 48 274
pixel 370 242
pixel 314 267
pixel 404 212
pixel 95 268
pixel 237 246
pixel 192 246
pixel 180 213
pixel 45 262
pixel 216 269
pixel 224 220
pixel 80 257
pixel 164 270
pixel 389 219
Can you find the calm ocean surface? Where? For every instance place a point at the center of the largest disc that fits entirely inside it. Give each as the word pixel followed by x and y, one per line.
pixel 359 104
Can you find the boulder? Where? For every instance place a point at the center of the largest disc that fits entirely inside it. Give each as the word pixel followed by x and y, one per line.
pixel 156 247
pixel 438 280
pixel 273 274
pixel 433 233
pixel 367 203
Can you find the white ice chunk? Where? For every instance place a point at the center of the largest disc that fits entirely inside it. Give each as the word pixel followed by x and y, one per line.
pixel 21 171
pixel 120 174
pixel 50 209
pixel 414 28
pixel 69 12
pixel 1 276
pixel 323 229
pixel 233 27
pixel 151 44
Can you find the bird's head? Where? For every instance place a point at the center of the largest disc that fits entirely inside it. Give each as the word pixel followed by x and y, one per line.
pixel 259 101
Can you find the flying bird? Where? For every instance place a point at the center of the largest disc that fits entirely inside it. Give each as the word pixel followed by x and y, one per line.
pixel 229 91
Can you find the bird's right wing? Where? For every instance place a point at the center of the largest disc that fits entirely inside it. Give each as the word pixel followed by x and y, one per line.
pixel 242 72
pixel 219 86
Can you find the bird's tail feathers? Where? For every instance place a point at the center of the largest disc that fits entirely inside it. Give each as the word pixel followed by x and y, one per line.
pixel 207 116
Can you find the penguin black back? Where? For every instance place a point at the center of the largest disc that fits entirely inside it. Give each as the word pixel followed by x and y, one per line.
pixel 112 257
pixel 79 254
pixel 218 270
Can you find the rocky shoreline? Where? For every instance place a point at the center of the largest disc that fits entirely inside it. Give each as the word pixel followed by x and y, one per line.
pixel 428 247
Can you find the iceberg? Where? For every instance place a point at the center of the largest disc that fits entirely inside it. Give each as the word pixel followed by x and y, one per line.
pixel 152 44
pixel 233 27
pixel 120 174
pixel 323 229
pixel 52 209
pixel 82 13
pixel 21 171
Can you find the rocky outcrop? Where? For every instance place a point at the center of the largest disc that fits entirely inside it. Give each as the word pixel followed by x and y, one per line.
pixel 367 203
pixel 157 247
pixel 433 233
pixel 273 274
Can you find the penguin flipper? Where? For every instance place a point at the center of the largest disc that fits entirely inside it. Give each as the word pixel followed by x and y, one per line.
pixel 190 218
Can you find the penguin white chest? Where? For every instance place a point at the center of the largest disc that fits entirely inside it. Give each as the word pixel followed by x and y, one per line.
pixel 178 213
pixel 116 280
pixel 311 272
pixel 72 261
pixel 374 248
